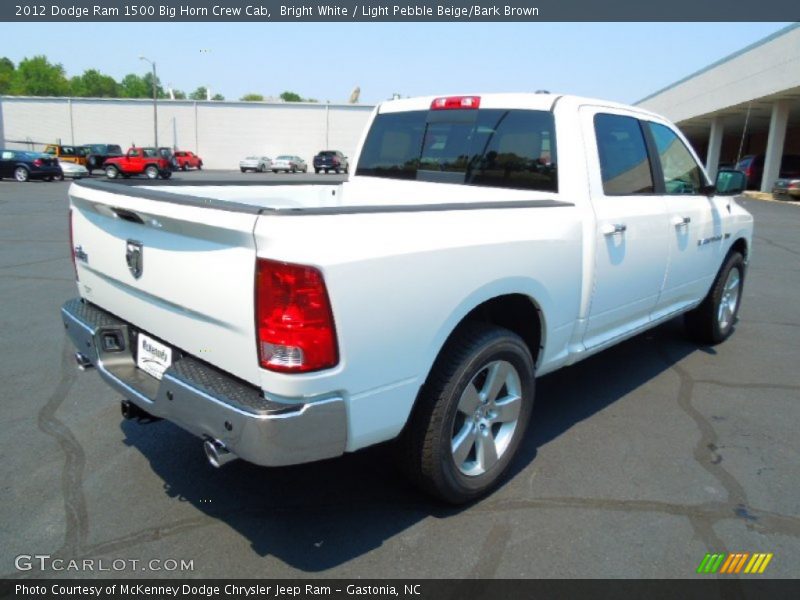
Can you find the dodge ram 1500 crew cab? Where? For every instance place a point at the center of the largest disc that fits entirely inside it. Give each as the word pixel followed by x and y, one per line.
pixel 481 241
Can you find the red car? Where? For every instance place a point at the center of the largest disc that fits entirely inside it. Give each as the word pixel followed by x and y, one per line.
pixel 187 160
pixel 139 161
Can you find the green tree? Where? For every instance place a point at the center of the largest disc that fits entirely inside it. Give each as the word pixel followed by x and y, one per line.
pixel 252 98
pixel 93 84
pixel 133 86
pixel 179 94
pixel 199 94
pixel 218 97
pixel 38 77
pixel 6 75
pixel 291 97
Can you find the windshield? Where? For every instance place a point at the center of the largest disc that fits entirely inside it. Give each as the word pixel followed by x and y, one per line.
pixel 284 158
pixel 489 147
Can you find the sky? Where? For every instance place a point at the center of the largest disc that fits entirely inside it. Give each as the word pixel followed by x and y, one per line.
pixel 623 62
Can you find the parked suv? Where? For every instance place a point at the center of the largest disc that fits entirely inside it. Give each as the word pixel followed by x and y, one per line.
pixel 753 167
pixel 97 154
pixel 330 160
pixel 73 154
pixel 139 161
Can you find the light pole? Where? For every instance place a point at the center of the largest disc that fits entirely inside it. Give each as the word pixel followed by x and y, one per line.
pixel 155 101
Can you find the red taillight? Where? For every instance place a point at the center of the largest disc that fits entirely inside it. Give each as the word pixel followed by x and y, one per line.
pixel 72 246
pixel 294 321
pixel 452 102
pixel 37 162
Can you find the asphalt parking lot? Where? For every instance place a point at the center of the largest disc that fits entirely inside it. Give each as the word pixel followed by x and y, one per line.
pixel 638 462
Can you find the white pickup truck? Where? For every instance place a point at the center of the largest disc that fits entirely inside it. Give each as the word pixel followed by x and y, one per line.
pixel 481 241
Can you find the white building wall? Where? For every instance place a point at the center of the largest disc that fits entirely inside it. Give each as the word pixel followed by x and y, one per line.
pixel 766 68
pixel 220 132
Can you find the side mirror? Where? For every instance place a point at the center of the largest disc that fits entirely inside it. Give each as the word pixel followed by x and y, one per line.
pixel 730 182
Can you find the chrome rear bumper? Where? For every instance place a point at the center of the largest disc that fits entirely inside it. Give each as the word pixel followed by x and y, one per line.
pixel 205 401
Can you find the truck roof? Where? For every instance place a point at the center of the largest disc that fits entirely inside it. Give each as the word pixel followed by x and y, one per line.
pixel 524 100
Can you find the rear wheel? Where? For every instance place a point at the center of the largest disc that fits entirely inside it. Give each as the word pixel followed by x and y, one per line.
pixel 316 170
pixel 712 322
pixel 112 172
pixel 166 174
pixel 59 177
pixel 200 166
pixel 275 171
pixel 185 167
pixel 327 171
pixel 471 414
pixel 21 174
pixel 151 172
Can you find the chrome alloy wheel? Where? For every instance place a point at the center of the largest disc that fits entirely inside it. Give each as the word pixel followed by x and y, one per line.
pixel 486 418
pixel 729 300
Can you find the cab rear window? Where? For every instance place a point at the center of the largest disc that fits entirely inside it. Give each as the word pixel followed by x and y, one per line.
pixel 487 147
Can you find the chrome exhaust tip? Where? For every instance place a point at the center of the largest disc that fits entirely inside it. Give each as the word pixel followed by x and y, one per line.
pixel 217 454
pixel 82 361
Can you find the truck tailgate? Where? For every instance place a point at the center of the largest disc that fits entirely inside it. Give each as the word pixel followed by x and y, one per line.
pixel 195 290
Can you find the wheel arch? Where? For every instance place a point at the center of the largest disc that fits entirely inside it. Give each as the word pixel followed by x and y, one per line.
pixel 740 245
pixel 515 305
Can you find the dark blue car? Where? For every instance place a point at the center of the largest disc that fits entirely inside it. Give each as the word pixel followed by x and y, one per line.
pixel 22 165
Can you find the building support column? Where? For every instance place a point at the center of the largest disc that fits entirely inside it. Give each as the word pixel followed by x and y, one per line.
pixel 714 147
pixel 775 140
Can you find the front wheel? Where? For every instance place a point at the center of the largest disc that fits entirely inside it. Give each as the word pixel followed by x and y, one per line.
pixel 712 322
pixel 316 171
pixel 471 414
pixel 112 172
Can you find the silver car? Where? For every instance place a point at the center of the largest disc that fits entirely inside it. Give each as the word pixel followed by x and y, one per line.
pixel 73 170
pixel 289 163
pixel 257 164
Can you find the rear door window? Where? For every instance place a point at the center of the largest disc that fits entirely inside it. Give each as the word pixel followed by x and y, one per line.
pixel 624 163
pixel 488 147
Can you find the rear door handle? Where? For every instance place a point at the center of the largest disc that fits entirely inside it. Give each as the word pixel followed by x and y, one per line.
pixel 681 221
pixel 614 228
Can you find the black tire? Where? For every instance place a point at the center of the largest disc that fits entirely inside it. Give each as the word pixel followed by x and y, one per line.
pixel 200 166
pixel 59 177
pixel 710 323
pixel 151 172
pixel 166 174
pixel 347 169
pixel 185 167
pixel 425 446
pixel 22 174
pixel 316 170
pixel 243 170
pixel 275 171
pixel 112 172
pixel 327 171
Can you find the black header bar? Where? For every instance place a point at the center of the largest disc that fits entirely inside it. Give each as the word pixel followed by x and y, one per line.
pixel 385 10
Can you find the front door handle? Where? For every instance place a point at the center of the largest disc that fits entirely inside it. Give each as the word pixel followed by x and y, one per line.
pixel 614 228
pixel 681 221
